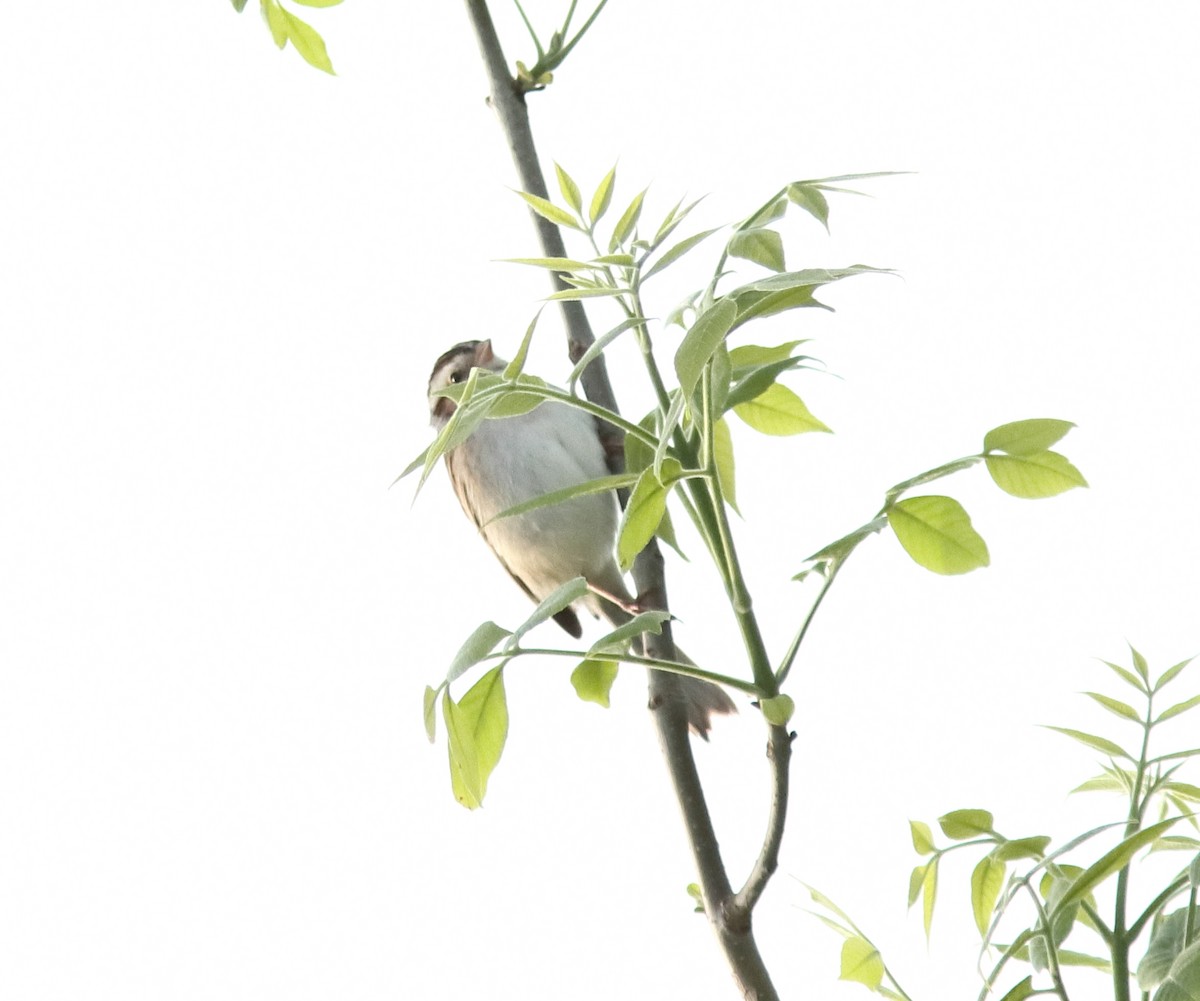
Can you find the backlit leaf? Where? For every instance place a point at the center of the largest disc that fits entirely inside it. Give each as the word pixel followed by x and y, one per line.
pixel 476 729
pixel 699 343
pixel 986 881
pixel 959 825
pixel 1115 707
pixel 431 713
pixel 762 246
pixel 861 963
pixel 1091 740
pixel 569 189
pixel 1179 707
pixel 1026 437
pixel 936 532
pixel 627 222
pixel 593 680
pixel 603 196
pixel 723 455
pixel 477 646
pixel 670 256
pixel 929 894
pixel 549 211
pixel 779 411
pixel 644 622
pixel 1019 848
pixel 644 510
pixel 1112 862
pixel 810 198
pixel 558 599
pixel 922 837
pixel 1043 474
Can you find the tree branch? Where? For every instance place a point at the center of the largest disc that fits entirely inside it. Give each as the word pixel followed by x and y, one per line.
pixel 731 924
pixel 779 754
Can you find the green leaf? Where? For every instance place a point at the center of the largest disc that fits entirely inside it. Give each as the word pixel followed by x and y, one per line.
pixel 1126 676
pixel 616 640
pixel 477 646
pixel 1183 980
pixel 1026 437
pixel 431 695
pixel 986 881
pixel 569 189
pixel 1170 674
pixel 762 246
pixel 572 294
pixel 777 710
pixel 790 290
pixel 809 198
pixel 558 599
pixel 753 355
pixel 929 893
pixel 1019 848
pixel 603 196
pixel 476 728
pixel 669 257
pixel 1020 991
pixel 861 963
pixel 936 532
pixel 276 20
pixel 721 375
pixel 318 3
pixel 1043 474
pixel 1179 707
pixel 1112 862
pixel 916 879
pixel 549 211
pixel 593 680
pixel 602 485
pixel 922 837
pixel 699 343
pixel 959 825
pixel 517 365
pixel 627 222
pixel 239 5
pixel 567 265
pixel 694 891
pixel 1091 740
pixel 1166 944
pixel 779 411
pixel 645 509
pixel 306 40
pixel 1140 665
pixel 723 456
pixel 1115 707
pixel 753 381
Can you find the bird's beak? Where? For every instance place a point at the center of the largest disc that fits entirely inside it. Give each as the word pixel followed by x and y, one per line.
pixel 483 354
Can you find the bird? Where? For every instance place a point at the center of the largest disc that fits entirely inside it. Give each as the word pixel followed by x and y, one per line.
pixel 510 460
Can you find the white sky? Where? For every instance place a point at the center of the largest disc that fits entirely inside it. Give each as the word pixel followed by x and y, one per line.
pixel 225 279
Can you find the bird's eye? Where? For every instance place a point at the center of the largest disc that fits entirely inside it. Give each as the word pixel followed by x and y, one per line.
pixel 455 377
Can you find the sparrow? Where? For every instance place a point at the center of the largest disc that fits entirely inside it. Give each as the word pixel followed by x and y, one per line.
pixel 510 460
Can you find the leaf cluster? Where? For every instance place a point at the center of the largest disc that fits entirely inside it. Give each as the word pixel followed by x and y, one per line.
pixel 1040 894
pixel 679 458
pixel 287 27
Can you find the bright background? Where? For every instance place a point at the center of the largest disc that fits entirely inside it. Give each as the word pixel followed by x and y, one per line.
pixel 226 277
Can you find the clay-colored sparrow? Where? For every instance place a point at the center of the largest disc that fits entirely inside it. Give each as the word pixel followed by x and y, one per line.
pixel 510 460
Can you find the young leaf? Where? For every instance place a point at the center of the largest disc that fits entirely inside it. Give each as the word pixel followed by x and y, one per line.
pixel 916 879
pixel 603 197
pixel 1026 437
pixel 779 411
pixel 762 246
pixel 476 728
pixel 1112 862
pixel 1179 707
pixel 959 825
pixel 1020 991
pixel 1115 707
pixel 754 380
pixel 549 211
pixel 304 37
pixel 986 882
pixel 1043 474
pixel 1140 665
pixel 593 680
pixel 477 646
pixel 936 532
pixel 1019 848
pixel 1167 942
pixel 701 341
pixel 751 355
pixel 643 622
pixel 1170 674
pixel 1128 677
pixel 627 222
pixel 861 963
pixel 569 189
pixel 1091 740
pixel 669 257
pixel 645 509
pixel 601 485
pixel 558 599
pixel 922 838
pixel 809 198
pixel 929 892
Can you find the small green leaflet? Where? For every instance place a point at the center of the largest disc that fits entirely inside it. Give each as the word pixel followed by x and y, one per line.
pixel 779 411
pixel 476 728
pixel 959 825
pixel 477 646
pixel 936 532
pixel 922 837
pixel 701 341
pixel 287 27
pixel 1026 437
pixel 549 211
pixel 593 680
pixel 987 879
pixel 569 189
pixel 777 710
pixel 762 246
pixel 603 197
pixel 723 456
pixel 1042 474
pixel 861 963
